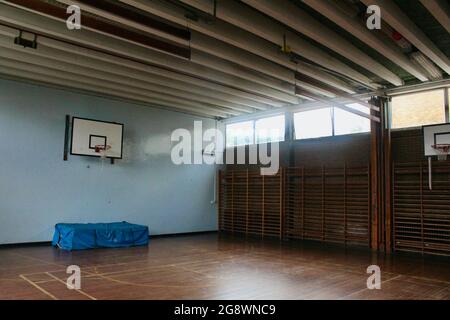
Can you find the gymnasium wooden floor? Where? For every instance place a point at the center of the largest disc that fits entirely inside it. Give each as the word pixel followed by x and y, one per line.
pixel 209 266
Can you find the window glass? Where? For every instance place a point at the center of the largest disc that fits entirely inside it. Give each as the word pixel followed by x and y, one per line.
pixel 313 124
pixel 418 109
pixel 347 123
pixel 239 134
pixel 270 129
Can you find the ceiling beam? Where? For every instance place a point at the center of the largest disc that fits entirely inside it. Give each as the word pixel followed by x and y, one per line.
pixel 337 93
pixel 359 30
pixel 213 47
pixel 29 56
pixel 291 15
pixel 257 24
pixel 23 69
pixel 156 24
pixel 151 41
pixel 217 48
pixel 440 9
pixel 19 75
pixel 99 42
pixel 103 62
pixel 398 20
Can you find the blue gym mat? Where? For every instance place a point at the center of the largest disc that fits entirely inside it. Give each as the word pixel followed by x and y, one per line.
pixel 77 236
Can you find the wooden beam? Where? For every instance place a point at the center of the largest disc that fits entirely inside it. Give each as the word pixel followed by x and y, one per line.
pixel 388 174
pixel 374 184
pixel 381 180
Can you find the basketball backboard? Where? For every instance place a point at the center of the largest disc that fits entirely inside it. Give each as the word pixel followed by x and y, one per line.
pixel 88 134
pixel 435 135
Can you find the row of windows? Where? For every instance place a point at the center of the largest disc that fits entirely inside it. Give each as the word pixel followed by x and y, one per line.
pixel 411 110
pixel 307 124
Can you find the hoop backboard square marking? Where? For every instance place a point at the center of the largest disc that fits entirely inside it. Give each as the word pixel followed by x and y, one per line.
pixel 435 134
pixel 87 133
pixel 95 140
pixel 442 138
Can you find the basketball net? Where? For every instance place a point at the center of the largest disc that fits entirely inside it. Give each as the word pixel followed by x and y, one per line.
pixel 443 150
pixel 102 150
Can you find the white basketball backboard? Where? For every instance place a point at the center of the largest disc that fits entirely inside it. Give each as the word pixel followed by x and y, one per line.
pixel 435 135
pixel 88 133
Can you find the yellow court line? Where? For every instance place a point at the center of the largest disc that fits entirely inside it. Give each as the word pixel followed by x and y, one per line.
pixel 64 283
pixel 38 287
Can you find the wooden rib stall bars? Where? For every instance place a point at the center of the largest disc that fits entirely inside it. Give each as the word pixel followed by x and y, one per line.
pixel 422 216
pixel 328 204
pixel 250 203
pixel 324 204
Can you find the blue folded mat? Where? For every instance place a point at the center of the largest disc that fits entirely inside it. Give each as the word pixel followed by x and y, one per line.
pixel 76 236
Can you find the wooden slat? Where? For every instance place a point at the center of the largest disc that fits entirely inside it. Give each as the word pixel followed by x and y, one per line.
pixel 421 217
pixel 322 204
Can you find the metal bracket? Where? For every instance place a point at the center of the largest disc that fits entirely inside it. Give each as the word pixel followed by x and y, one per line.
pixel 25 42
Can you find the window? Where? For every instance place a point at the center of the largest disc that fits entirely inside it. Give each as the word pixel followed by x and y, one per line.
pixel 239 134
pixel 418 109
pixel 347 123
pixel 270 129
pixel 313 124
pixel 263 130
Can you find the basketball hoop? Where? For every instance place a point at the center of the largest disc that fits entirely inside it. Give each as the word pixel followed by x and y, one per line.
pixel 102 149
pixel 443 150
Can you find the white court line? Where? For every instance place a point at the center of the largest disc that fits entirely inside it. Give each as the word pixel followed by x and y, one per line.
pixel 38 287
pixel 78 290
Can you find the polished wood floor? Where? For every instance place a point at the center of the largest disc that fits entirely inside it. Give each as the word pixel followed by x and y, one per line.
pixel 212 266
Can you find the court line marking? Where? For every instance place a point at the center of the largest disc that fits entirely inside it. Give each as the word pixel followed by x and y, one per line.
pixel 366 289
pixel 125 273
pixel 96 275
pixel 65 284
pixel 38 287
pixel 154 285
pixel 116 264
